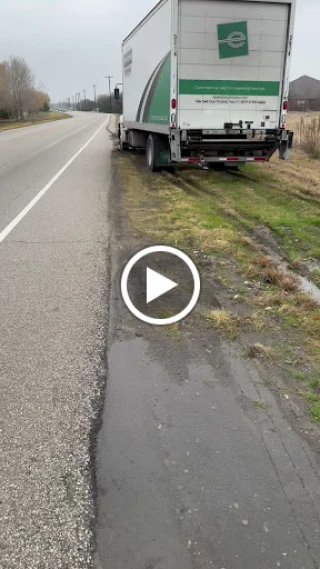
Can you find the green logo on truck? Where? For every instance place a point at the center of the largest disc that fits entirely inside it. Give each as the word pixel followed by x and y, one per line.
pixel 233 40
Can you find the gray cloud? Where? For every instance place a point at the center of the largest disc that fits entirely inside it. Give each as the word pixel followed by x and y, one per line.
pixel 73 44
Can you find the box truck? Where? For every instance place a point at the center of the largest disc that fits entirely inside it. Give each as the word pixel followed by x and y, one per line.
pixel 207 82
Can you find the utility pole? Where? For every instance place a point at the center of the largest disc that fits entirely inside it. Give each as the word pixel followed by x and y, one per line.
pixel 84 99
pixel 79 95
pixel 95 97
pixel 109 77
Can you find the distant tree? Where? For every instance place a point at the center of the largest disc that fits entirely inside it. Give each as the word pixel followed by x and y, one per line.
pixel 37 101
pixel 86 105
pixel 104 104
pixel 44 100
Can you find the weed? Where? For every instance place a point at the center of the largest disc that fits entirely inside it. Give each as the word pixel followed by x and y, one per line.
pixel 299 376
pixel 315 412
pixel 257 351
pixel 312 397
pixel 260 404
pixel 225 322
pixel 314 383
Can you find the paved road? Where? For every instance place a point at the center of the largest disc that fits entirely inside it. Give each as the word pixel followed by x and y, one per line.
pixel 53 314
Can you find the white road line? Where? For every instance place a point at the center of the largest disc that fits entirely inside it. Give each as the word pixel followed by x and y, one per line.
pixel 34 201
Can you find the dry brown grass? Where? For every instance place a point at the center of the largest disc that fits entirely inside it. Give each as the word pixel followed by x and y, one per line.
pixel 218 239
pixel 301 174
pixel 307 131
pixel 226 323
pixel 266 270
pixel 310 137
pixel 258 351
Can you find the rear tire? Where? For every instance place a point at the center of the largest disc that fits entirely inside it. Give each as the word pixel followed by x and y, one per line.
pixel 157 153
pixel 123 146
pixel 151 154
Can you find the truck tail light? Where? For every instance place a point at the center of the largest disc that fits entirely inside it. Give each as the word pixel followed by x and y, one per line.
pixel 174 104
pixel 285 105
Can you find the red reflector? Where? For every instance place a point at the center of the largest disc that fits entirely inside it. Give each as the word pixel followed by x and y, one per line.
pixel 194 160
pixel 173 104
pixel 231 159
pixel 285 105
pixel 259 159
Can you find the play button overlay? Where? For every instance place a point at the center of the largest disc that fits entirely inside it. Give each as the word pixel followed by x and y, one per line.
pixel 157 285
pixel 160 285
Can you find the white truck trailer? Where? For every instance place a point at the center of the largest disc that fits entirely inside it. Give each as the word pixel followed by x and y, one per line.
pixel 207 82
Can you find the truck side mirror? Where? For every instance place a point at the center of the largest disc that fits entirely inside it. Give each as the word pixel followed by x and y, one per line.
pixel 117 94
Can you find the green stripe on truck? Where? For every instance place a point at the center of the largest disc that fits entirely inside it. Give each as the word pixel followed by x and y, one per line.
pixel 229 88
pixel 157 107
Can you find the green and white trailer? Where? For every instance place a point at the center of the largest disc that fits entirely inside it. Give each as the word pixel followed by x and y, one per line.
pixel 207 82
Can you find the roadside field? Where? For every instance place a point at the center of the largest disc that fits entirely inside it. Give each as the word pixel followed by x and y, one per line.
pixel 307 131
pixel 242 229
pixel 43 117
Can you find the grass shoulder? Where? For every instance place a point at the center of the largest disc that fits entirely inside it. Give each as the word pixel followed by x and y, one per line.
pixel 41 118
pixel 217 217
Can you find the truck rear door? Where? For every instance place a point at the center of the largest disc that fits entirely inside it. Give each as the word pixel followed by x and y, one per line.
pixel 231 63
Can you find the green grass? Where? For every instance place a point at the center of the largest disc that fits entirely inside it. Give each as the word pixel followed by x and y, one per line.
pixel 258 200
pixel 315 412
pixel 299 376
pixel 313 397
pixel 314 383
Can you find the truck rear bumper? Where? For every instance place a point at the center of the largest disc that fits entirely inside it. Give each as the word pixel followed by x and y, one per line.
pixel 245 146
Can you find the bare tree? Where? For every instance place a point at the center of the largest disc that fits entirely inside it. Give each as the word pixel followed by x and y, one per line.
pixel 21 81
pixel 4 88
pixel 18 94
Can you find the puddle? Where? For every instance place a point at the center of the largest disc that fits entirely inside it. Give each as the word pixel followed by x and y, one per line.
pixel 269 244
pixel 305 284
pixel 310 288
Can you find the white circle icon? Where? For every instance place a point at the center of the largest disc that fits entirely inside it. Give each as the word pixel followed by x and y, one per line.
pixel 158 285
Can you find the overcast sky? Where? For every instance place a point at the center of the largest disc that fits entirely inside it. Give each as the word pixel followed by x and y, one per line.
pixel 73 44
